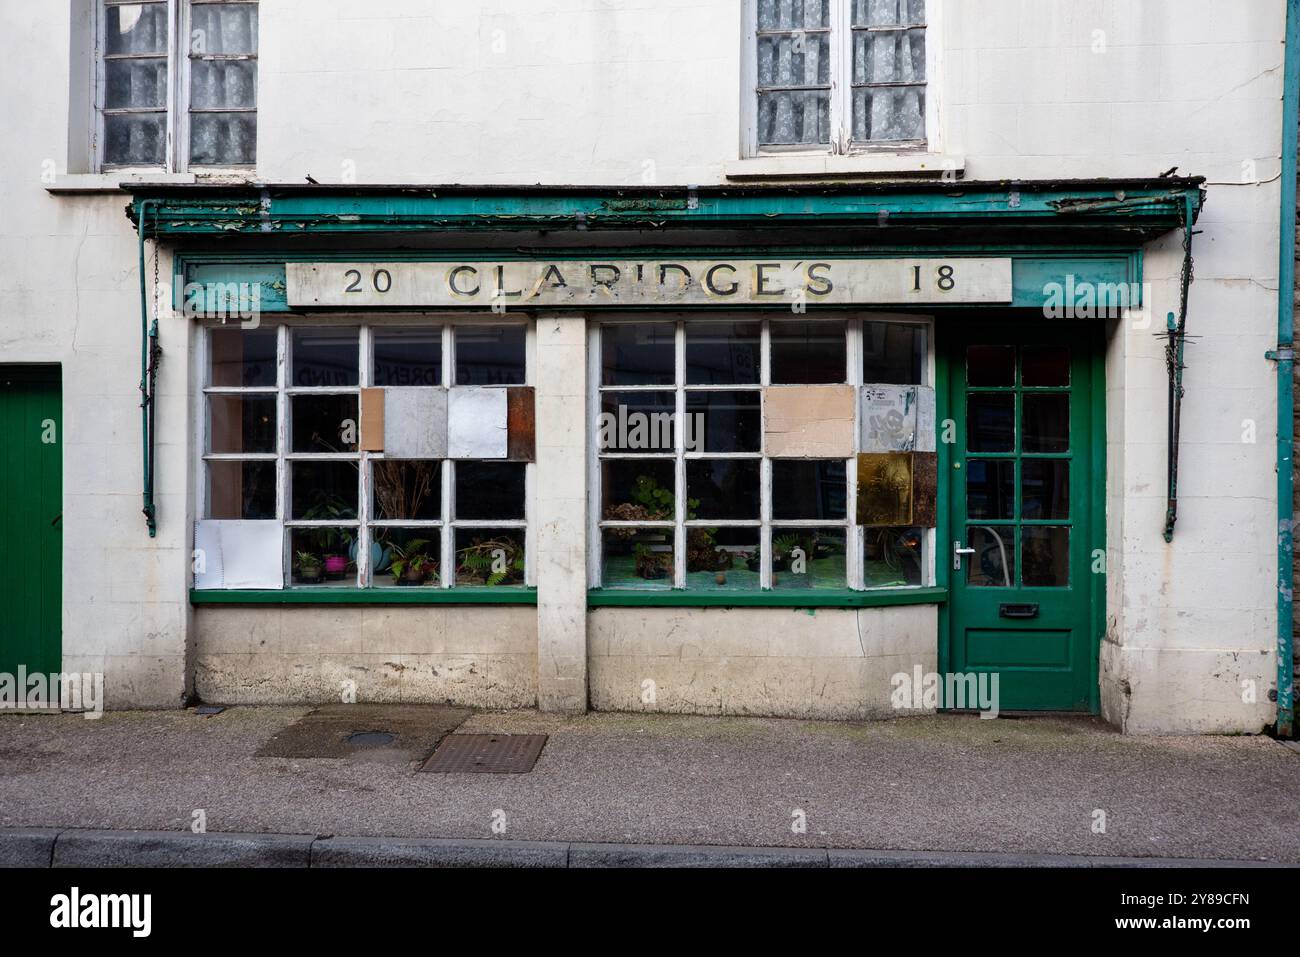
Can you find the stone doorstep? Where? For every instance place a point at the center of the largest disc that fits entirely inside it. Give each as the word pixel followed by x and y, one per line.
pixel 81 847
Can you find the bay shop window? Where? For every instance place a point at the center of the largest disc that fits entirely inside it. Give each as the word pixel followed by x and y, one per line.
pixel 747 453
pixel 365 455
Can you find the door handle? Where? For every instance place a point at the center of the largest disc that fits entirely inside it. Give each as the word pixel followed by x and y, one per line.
pixel 957 552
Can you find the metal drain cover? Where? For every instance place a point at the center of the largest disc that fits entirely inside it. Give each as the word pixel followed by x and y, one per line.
pixel 371 739
pixel 486 754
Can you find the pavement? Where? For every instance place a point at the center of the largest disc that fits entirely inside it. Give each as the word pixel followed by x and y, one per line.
pixel 642 788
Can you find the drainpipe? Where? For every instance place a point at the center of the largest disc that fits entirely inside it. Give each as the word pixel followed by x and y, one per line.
pixel 1285 357
pixel 148 353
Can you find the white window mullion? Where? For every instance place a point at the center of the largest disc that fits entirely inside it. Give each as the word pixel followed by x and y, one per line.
pixel 679 463
pixel 363 465
pixel 282 490
pixel 177 64
pixel 595 538
pixel 854 539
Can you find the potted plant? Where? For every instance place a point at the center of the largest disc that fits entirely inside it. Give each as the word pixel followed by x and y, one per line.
pixel 491 562
pixel 331 542
pixel 650 564
pixel 411 565
pixel 309 567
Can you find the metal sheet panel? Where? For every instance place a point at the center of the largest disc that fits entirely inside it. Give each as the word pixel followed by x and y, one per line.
pixel 415 423
pixel 477 423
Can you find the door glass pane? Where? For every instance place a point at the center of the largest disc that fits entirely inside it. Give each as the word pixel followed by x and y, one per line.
pixel 489 491
pixel 1044 488
pixel 723 422
pixel 241 490
pixel 993 564
pixel 991 365
pixel 407 488
pixel 1047 423
pixel 807 352
pixel 990 488
pixel 990 422
pixel 1045 555
pixel 242 358
pixel 637 423
pixel 405 557
pixel 1045 365
pixel 323 556
pixel 637 491
pixel 323 490
pixel 722 353
pixel 637 353
pixel 489 557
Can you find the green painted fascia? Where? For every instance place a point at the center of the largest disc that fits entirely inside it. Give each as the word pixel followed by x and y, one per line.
pixel 365 596
pixel 1151 205
pixel 830 598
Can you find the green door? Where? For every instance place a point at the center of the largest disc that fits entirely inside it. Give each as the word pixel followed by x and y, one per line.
pixel 31 507
pixel 1025 533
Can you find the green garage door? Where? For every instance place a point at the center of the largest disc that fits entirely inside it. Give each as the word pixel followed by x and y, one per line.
pixel 31 506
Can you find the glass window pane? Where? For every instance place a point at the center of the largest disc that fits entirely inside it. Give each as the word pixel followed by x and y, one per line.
pixel 793 14
pixel 1047 423
pixel 991 365
pixel 323 556
pixel 407 488
pixel 241 490
pixel 218 28
pixel 722 558
pixel 223 139
pixel 794 59
pixel 884 114
pixel 723 422
pixel 990 422
pixel 324 357
pixel 640 353
pixel 993 564
pixel 638 423
pixel 809 558
pixel 893 353
pixel 405 557
pixel 1044 489
pixel 787 117
pixel 637 491
pixel 135 139
pixel 806 352
pixel 888 57
pixel 323 423
pixel 136 28
pixel 490 557
pixel 1045 365
pixel 1045 556
pixel 722 353
pixel 241 423
pixel 991 488
pixel 323 490
pixel 223 84
pixel 724 489
pixel 490 355
pixel 407 357
pixel 637 558
pixel 892 557
pixel 488 491
pixel 242 358
pixel 809 489
pixel 135 84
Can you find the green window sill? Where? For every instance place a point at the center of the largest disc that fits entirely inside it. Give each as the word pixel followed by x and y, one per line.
pixel 829 598
pixel 365 596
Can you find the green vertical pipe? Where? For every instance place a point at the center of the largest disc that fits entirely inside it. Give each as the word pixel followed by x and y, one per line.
pixel 146 394
pixel 1285 357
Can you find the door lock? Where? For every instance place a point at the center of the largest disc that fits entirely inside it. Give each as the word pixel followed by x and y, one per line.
pixel 957 553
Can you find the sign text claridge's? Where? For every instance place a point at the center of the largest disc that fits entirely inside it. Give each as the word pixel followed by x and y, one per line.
pixel 720 282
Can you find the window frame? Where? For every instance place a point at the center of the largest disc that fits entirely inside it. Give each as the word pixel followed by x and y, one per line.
pixel 177 109
pixel 855 534
pixel 841 142
pixel 365 523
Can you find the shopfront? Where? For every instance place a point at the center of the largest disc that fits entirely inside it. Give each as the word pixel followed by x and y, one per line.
pixel 722 450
